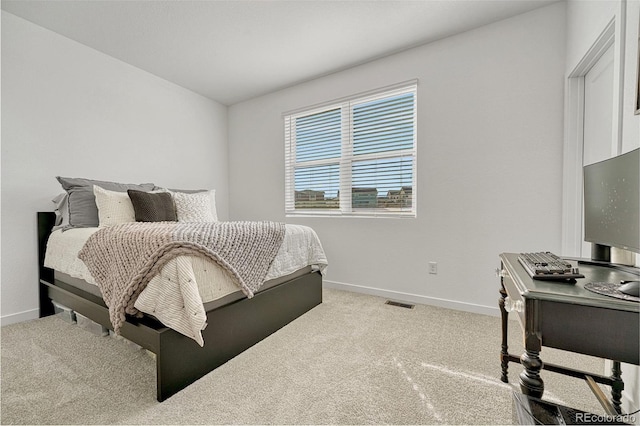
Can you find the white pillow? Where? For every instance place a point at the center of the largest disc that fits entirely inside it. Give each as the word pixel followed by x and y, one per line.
pixel 196 207
pixel 113 207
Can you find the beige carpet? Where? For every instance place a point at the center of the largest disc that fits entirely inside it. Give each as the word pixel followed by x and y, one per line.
pixel 351 360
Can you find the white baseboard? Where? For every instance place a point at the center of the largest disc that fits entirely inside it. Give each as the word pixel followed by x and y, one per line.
pixel 388 294
pixel 415 298
pixel 19 317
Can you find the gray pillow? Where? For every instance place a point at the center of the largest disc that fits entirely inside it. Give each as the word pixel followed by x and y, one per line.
pixel 83 212
pixel 152 207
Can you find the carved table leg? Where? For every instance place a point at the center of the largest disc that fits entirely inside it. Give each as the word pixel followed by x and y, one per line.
pixel 530 381
pixel 504 352
pixel 617 386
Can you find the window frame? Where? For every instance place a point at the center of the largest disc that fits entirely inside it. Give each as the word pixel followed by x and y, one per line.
pixel 347 158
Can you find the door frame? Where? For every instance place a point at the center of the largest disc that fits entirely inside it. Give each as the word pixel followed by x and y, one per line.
pixel 572 200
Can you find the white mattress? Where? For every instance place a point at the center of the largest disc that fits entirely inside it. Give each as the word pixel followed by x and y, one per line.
pixel 300 248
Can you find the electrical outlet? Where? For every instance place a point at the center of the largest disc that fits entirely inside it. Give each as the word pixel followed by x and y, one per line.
pixel 433 267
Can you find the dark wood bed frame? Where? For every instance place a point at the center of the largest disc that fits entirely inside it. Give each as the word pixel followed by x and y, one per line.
pixel 180 361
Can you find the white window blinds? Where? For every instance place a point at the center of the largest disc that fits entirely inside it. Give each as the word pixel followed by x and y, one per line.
pixel 356 156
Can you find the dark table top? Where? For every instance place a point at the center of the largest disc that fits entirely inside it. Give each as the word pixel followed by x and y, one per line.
pixel 572 292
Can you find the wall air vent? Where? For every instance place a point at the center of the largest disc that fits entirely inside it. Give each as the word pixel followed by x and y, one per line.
pixel 402 305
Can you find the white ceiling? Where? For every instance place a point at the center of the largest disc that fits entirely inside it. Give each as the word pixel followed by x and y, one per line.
pixel 231 51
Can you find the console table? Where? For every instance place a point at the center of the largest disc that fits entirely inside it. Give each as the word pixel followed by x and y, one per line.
pixel 567 316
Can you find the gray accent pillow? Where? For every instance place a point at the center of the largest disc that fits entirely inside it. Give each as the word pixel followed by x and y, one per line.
pixel 83 211
pixel 152 207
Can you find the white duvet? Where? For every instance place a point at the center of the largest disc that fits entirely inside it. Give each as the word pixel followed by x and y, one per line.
pixel 176 295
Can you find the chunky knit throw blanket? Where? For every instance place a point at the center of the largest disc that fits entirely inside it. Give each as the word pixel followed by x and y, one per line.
pixel 124 258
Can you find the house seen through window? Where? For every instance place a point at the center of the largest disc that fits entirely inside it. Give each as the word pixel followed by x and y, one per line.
pixel 356 156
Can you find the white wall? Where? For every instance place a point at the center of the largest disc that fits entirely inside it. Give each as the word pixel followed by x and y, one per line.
pixel 490 108
pixel 585 22
pixel 72 111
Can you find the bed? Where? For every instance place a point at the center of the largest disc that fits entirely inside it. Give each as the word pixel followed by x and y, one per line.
pixel 233 322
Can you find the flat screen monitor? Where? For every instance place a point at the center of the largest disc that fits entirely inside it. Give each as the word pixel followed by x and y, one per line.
pixel 612 202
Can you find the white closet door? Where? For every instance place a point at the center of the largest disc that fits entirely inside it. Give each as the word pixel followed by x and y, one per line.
pixel 598 117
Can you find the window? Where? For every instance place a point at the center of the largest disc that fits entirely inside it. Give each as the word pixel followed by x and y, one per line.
pixel 355 156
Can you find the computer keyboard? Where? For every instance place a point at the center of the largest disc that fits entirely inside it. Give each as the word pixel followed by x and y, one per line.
pixel 548 266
